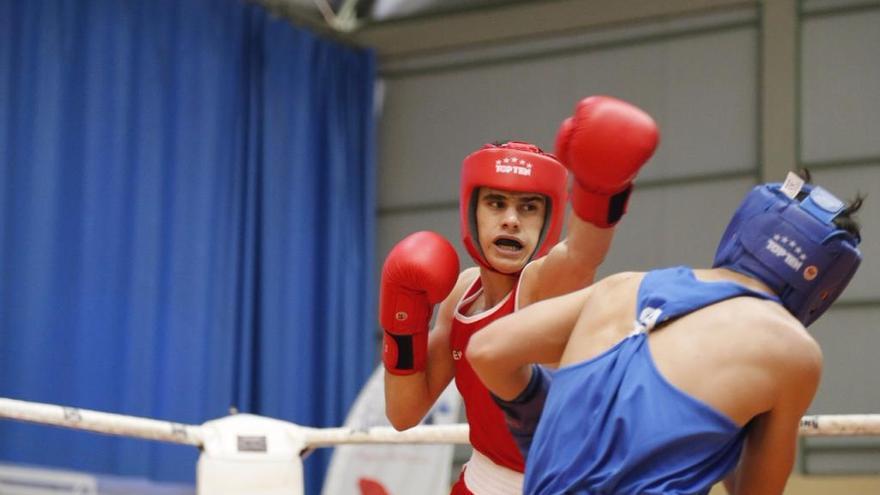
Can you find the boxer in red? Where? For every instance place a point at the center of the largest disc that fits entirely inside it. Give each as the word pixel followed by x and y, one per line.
pixel 512 205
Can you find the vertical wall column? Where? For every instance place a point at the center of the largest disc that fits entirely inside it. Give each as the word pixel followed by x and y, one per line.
pixel 779 42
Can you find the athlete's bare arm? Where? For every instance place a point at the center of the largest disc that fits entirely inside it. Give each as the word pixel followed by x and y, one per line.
pixel 408 398
pixel 604 144
pixel 557 330
pixel 769 451
pixel 501 353
pixel 570 265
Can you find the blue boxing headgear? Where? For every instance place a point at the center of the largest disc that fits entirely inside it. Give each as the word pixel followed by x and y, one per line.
pixel 792 246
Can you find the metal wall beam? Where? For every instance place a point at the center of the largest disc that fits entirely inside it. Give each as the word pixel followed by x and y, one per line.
pixel 779 88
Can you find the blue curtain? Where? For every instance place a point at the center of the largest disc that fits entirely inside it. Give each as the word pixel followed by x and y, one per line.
pixel 186 223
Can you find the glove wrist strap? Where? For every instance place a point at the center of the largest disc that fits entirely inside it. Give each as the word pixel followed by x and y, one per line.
pixel 602 209
pixel 405 354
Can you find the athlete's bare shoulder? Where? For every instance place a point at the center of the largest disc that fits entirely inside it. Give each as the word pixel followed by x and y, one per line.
pixel 468 275
pixel 620 279
pixel 465 279
pixel 614 286
pixel 605 318
pixel 613 297
pixel 767 331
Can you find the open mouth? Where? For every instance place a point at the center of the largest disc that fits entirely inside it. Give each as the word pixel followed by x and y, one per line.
pixel 508 244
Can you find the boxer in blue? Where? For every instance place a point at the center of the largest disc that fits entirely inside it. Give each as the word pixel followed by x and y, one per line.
pixel 711 381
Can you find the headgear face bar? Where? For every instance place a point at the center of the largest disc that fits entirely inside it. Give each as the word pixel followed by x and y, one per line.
pixel 792 246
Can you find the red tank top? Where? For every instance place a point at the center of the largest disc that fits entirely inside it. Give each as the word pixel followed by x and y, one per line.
pixel 488 429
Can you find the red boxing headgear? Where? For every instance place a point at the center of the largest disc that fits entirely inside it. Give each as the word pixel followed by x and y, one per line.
pixel 518 167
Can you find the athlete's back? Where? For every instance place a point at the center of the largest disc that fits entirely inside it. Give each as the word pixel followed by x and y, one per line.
pixel 718 354
pixel 656 415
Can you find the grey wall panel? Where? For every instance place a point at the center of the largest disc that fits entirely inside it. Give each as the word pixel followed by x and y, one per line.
pixel 431 122
pixel 843 456
pixel 840 70
pixel 845 182
pixel 840 122
pixel 850 338
pixel 673 225
pixel 701 89
pixel 711 105
pixel 836 6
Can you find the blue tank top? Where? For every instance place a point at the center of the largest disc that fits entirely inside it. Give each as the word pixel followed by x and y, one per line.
pixel 614 425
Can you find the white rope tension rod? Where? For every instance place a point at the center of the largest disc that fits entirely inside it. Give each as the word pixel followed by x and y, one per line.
pixel 101 422
pixel 840 425
pixel 167 431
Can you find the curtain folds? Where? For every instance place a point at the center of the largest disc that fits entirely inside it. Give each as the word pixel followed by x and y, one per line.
pixel 187 199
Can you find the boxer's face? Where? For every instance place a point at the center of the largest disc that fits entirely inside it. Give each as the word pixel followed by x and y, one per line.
pixel 509 225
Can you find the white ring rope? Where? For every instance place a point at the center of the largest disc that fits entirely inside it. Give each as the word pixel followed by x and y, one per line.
pixel 168 431
pixel 840 425
pixel 100 422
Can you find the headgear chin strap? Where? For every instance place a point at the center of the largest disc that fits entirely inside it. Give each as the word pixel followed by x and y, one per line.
pixel 792 246
pixel 518 167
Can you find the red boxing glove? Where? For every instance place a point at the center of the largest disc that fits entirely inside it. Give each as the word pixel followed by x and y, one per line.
pixel 604 144
pixel 419 272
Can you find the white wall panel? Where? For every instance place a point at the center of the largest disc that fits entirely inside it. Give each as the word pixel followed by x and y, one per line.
pixel 840 102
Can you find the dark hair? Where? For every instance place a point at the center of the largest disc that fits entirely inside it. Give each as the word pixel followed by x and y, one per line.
pixel 844 221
